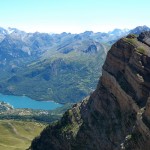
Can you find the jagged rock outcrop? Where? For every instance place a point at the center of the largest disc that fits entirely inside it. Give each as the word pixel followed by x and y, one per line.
pixel 117 114
pixel 145 38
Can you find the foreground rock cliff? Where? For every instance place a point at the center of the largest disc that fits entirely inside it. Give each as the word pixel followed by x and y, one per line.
pixel 117 115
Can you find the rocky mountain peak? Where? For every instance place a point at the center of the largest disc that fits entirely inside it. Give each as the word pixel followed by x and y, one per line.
pixel 117 114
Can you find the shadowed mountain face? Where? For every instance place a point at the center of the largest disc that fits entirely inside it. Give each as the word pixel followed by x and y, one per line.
pixel 61 67
pixel 117 114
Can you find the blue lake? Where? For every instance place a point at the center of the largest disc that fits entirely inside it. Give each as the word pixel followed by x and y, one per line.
pixel 26 102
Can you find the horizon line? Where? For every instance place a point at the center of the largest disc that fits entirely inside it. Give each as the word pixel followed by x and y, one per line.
pixel 69 32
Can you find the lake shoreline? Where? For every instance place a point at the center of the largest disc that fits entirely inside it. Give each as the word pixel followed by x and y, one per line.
pixel 32 97
pixel 28 103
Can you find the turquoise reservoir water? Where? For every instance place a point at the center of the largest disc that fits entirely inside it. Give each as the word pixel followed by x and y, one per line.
pixel 26 102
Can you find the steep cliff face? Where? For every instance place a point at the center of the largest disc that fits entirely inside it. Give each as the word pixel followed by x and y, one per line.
pixel 117 114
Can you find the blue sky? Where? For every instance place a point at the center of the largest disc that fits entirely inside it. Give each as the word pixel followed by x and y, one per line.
pixel 73 15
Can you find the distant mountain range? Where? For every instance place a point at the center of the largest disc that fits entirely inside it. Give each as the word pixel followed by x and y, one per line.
pixel 61 67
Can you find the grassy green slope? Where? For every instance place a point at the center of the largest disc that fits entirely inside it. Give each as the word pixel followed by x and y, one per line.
pixel 17 135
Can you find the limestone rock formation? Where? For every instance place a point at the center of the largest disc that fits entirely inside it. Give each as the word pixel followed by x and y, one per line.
pixel 117 114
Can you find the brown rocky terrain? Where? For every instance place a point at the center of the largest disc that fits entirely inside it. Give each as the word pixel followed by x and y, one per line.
pixel 117 114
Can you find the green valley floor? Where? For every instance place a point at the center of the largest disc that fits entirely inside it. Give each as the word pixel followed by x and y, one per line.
pixel 17 135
